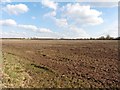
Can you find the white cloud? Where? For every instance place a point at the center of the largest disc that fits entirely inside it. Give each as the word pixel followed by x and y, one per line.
pixel 8 22
pixel 51 14
pixel 78 32
pixel 103 4
pixel 50 4
pixel 112 30
pixel 44 30
pixel 28 27
pixel 82 15
pixel 12 23
pixel 16 9
pixel 61 22
pixel 14 34
pixel 70 31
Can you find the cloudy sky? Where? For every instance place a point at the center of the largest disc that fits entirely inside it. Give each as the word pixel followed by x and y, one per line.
pixel 58 19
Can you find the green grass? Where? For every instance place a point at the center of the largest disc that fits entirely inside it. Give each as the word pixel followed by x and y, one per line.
pixel 14 71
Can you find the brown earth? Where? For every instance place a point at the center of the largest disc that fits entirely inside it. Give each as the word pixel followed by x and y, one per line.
pixel 62 63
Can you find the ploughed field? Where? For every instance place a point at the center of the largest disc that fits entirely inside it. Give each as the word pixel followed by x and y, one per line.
pixel 60 63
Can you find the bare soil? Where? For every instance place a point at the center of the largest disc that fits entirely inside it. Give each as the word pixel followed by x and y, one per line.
pixel 61 63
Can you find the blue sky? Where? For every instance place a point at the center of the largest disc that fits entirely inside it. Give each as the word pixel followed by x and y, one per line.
pixel 59 19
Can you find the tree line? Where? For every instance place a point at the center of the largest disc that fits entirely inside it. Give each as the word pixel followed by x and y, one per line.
pixel 108 37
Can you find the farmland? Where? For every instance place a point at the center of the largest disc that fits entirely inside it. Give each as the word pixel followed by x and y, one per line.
pixel 60 63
